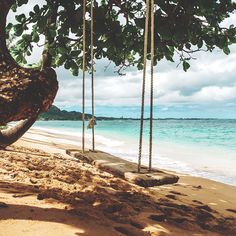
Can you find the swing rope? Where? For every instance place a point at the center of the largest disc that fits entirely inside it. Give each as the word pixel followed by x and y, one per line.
pixel 144 84
pixel 151 87
pixel 83 79
pixel 92 73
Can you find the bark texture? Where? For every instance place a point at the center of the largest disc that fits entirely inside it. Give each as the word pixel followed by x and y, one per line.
pixel 23 92
pixel 12 134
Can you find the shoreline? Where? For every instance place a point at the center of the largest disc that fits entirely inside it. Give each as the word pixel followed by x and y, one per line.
pixel 184 159
pixel 44 191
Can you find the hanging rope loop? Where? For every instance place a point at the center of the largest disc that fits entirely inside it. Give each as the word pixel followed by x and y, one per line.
pixel 83 79
pixel 151 86
pixel 144 84
pixel 93 121
pixel 148 12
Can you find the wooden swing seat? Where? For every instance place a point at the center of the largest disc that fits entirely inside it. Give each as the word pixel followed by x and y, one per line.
pixel 124 169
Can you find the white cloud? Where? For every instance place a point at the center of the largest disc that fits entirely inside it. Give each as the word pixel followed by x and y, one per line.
pixel 211 79
pixel 214 93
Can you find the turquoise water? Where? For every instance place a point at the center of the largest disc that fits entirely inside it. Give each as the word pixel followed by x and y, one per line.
pixel 203 147
pixel 213 133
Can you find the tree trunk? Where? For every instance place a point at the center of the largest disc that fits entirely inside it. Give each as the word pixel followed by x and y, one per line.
pixel 12 134
pixel 24 93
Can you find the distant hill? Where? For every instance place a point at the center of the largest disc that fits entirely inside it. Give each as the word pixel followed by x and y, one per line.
pixel 54 113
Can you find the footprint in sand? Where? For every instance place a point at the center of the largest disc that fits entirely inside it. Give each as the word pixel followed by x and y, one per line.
pixel 21 195
pixel 130 231
pixel 171 196
pixel 158 217
pixel 196 201
pixel 162 218
pixel 3 205
pixel 137 225
pixel 178 193
pixel 205 207
pixel 41 196
pixel 197 187
pixel 231 210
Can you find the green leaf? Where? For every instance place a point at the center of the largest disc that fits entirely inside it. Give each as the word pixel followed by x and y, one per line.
pixel 61 60
pixel 186 66
pixel 18 29
pixel 62 50
pixel 14 7
pixel 36 8
pixel 200 43
pixel 52 51
pixel 27 37
pixel 188 45
pixel 52 33
pixel 226 50
pixel 21 18
pixel 179 26
pixel 67 65
pixel 22 2
pixel 75 53
pixel 42 25
pixel 169 58
pixel 31 14
pixel 75 72
pixel 73 65
pixel 18 59
pixel 8 29
pixel 35 37
pixel 233 40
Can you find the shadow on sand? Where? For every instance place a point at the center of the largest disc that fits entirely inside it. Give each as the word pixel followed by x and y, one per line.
pixel 123 211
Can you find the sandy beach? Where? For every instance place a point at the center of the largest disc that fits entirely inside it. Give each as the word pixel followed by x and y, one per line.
pixel 43 191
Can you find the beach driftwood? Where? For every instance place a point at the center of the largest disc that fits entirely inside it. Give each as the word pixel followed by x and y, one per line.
pixel 125 169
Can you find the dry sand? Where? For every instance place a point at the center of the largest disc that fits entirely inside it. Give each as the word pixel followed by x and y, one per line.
pixel 45 192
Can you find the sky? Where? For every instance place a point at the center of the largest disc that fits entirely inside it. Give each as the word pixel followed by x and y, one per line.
pixel 207 90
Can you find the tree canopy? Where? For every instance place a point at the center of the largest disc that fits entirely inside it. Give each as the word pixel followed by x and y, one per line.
pixel 182 27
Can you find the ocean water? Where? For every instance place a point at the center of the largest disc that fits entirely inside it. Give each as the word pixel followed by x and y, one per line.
pixel 205 148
